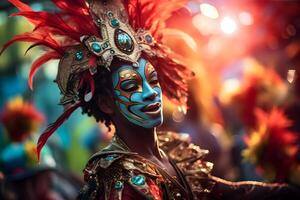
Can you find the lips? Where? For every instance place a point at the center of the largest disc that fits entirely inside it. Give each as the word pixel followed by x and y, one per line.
pixel 153 108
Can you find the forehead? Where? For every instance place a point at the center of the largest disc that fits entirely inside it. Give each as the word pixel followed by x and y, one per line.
pixel 144 68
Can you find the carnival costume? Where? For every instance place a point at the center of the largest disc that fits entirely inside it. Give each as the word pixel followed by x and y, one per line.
pixel 87 38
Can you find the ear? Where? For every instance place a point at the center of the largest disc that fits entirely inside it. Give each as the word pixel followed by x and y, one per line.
pixel 105 104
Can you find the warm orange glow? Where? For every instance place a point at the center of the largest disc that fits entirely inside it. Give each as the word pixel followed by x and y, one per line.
pixel 246 18
pixel 177 116
pixel 178 36
pixel 205 25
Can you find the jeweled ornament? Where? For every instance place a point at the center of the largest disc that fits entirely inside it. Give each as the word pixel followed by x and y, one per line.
pixel 123 41
pixel 119 185
pixel 110 157
pixel 115 22
pixel 79 55
pixel 138 180
pixel 96 47
pixel 148 38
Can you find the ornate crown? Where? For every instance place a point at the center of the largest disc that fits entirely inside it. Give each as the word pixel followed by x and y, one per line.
pixel 116 39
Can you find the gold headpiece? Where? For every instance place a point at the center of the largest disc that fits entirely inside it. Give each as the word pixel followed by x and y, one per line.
pixel 117 39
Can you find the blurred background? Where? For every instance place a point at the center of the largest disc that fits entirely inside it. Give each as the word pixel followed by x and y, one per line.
pixel 244 101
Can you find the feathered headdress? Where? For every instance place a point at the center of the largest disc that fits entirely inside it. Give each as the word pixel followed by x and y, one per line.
pixel 86 36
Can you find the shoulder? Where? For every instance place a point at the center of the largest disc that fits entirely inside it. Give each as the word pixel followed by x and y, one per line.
pixel 190 159
pixel 117 174
pixel 179 148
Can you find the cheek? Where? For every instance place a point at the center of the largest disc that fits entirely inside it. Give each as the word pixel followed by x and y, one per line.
pixel 158 90
pixel 131 97
pixel 131 105
pixel 136 97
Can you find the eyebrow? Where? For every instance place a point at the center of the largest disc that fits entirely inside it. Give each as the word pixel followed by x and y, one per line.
pixel 149 67
pixel 127 74
pixel 153 72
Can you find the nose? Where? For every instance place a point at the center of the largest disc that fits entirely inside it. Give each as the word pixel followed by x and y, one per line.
pixel 149 93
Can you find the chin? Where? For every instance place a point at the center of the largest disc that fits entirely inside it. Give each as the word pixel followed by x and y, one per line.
pixel 153 123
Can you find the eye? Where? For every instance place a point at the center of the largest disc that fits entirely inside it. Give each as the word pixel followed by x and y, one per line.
pixel 153 78
pixel 129 85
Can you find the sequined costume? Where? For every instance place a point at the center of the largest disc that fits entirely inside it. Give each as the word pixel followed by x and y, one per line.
pixel 116 173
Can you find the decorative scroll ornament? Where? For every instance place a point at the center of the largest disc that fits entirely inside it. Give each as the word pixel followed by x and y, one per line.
pixel 118 38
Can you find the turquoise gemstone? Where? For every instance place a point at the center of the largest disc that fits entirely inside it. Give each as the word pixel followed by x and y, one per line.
pixel 138 180
pixel 115 22
pixel 124 41
pixel 110 157
pixel 119 185
pixel 79 55
pixel 96 47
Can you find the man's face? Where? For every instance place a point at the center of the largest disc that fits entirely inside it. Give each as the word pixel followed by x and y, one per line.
pixel 138 94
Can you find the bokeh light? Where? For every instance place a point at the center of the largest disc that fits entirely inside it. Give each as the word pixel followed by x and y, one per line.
pixel 205 25
pixel 209 10
pixel 228 25
pixel 291 75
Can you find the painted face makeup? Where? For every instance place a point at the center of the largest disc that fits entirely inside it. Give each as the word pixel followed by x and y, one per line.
pixel 138 94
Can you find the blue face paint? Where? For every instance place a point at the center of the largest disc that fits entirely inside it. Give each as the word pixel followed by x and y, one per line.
pixel 138 94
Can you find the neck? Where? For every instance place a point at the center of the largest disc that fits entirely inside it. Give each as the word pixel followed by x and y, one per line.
pixel 140 140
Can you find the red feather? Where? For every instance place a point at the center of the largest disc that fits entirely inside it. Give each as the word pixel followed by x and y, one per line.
pixel 151 14
pixel 51 21
pixel 52 127
pixel 72 6
pixel 40 61
pixel 22 7
pixel 36 38
pixel 73 21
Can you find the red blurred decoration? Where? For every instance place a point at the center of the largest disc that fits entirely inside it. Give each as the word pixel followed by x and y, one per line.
pixel 20 119
pixel 271 146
